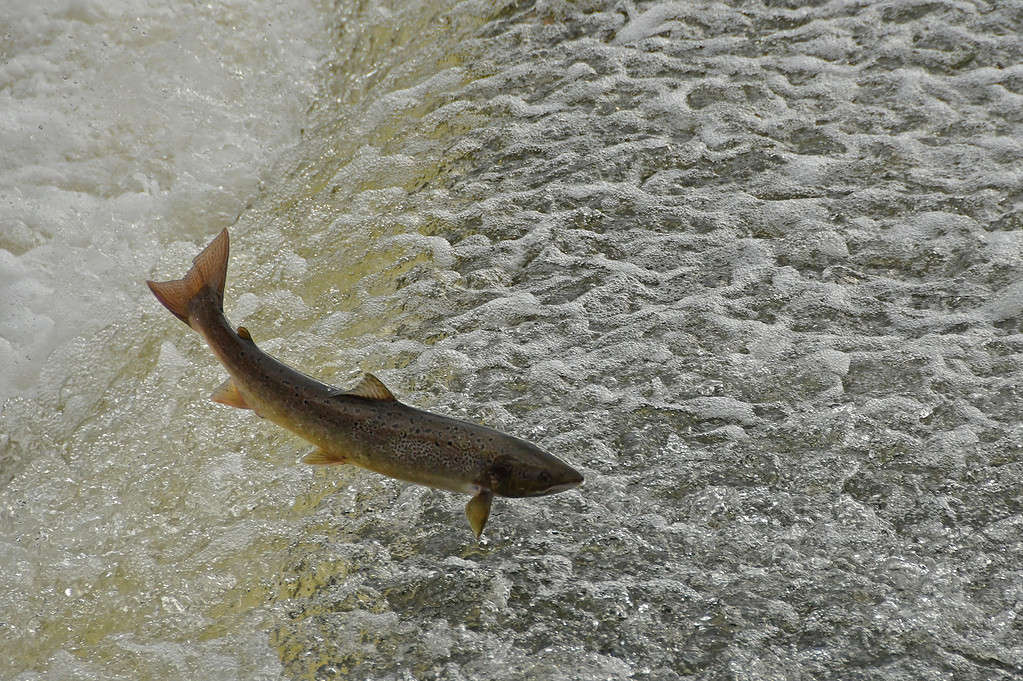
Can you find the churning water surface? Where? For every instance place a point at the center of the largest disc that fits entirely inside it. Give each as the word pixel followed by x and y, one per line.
pixel 756 268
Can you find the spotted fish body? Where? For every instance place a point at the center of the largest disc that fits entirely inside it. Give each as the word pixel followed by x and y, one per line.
pixel 365 426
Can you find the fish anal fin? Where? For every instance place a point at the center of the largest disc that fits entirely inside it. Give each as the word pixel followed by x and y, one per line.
pixel 371 388
pixel 478 510
pixel 229 394
pixel 320 457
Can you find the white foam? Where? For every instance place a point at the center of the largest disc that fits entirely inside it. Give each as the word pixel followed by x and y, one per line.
pixel 1006 303
pixel 155 125
pixel 661 18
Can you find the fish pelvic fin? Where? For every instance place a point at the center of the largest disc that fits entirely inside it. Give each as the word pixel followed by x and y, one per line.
pixel 229 394
pixel 209 270
pixel 478 510
pixel 321 457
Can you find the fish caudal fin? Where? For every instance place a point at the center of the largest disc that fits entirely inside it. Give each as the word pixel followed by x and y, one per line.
pixel 209 270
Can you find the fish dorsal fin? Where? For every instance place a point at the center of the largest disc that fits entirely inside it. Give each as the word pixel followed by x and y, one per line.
pixel 371 388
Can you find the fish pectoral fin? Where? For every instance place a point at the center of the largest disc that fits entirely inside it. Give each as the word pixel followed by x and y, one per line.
pixel 228 394
pixel 320 457
pixel 478 510
pixel 371 388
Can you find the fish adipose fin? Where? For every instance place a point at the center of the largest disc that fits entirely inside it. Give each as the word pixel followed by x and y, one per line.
pixel 228 394
pixel 209 270
pixel 371 388
pixel 478 510
pixel 320 457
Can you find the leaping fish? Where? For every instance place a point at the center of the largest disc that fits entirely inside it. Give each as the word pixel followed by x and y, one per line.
pixel 365 426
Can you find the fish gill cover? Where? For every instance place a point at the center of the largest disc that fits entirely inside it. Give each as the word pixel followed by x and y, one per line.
pixel 754 268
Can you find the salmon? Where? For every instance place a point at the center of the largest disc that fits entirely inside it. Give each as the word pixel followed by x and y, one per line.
pixel 365 426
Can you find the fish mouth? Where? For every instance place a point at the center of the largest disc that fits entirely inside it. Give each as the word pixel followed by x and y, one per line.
pixel 563 486
pixel 560 487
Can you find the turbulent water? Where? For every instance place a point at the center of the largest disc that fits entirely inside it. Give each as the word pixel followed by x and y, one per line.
pixel 755 268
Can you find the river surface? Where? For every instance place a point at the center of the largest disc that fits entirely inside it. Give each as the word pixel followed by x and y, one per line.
pixel 756 269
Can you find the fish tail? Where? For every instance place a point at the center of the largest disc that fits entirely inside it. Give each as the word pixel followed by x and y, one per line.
pixel 209 270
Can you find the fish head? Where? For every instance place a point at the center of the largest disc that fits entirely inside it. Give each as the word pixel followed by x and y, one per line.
pixel 525 470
